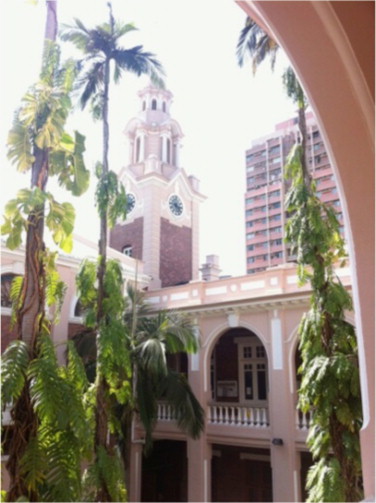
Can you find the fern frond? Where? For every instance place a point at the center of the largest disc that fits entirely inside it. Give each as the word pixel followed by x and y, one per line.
pixel 47 389
pixel 112 471
pixel 33 464
pixel 14 364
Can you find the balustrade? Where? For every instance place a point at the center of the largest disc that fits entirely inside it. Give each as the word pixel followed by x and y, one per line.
pixel 237 415
pixel 165 412
pixel 303 420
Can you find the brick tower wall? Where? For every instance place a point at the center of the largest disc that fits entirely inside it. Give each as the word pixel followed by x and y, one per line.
pixel 176 254
pixel 128 235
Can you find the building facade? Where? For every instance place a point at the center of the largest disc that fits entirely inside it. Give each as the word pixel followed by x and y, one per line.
pixel 245 376
pixel 265 217
pixel 253 445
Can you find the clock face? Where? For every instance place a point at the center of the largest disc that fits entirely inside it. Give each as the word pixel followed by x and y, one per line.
pixel 176 205
pixel 131 201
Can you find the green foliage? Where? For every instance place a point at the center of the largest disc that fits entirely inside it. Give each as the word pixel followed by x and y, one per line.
pixel 152 337
pixel 67 163
pixel 13 370
pixel 50 428
pixel 111 199
pixel 38 137
pixel 330 386
pixel 60 220
pixel 63 438
pixel 188 411
pixel 59 217
pixel 51 464
pixel 55 287
pixel 324 481
pixel 86 288
pixel 108 470
pixel 293 88
pixel 256 44
pixel 99 46
pixel 16 296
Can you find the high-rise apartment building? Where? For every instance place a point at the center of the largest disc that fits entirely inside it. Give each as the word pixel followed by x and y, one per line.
pixel 264 199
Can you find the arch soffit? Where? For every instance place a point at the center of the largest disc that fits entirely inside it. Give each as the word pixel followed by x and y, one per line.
pixel 221 330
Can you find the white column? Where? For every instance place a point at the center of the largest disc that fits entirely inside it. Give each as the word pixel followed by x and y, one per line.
pixel 134 489
pixel 281 414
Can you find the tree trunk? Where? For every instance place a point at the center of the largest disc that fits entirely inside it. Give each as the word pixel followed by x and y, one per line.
pixel 32 310
pixel 303 133
pixel 101 415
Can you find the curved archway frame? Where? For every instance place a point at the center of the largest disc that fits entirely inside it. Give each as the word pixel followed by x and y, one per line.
pixel 214 337
pixel 331 46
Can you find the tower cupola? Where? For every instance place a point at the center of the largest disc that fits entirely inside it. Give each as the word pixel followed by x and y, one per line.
pixel 154 136
pixel 155 103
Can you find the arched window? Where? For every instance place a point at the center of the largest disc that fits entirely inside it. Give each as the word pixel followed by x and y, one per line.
pixel 6 283
pixel 154 105
pixel 164 106
pixel 138 149
pixel 168 149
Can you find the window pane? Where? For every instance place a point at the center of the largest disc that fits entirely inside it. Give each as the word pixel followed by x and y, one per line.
pixel 261 382
pixel 248 382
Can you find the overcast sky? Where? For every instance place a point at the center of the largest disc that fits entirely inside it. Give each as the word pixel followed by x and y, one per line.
pixel 220 107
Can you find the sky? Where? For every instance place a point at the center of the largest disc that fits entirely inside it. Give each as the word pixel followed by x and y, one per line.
pixel 220 106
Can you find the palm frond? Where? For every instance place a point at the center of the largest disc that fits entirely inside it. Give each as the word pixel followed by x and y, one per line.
pixel 256 44
pixel 188 412
pixel 137 61
pixel 246 41
pixel 122 29
pixel 146 400
pixel 151 355
pixel 91 82
pixel 79 35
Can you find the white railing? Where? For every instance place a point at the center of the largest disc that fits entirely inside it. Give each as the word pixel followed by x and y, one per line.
pixel 303 419
pixel 235 415
pixel 165 412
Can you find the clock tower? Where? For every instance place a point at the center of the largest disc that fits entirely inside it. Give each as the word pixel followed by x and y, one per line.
pixel 161 228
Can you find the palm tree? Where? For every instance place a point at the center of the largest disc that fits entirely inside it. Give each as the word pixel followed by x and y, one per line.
pixel 257 44
pixel 151 338
pixel 101 48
